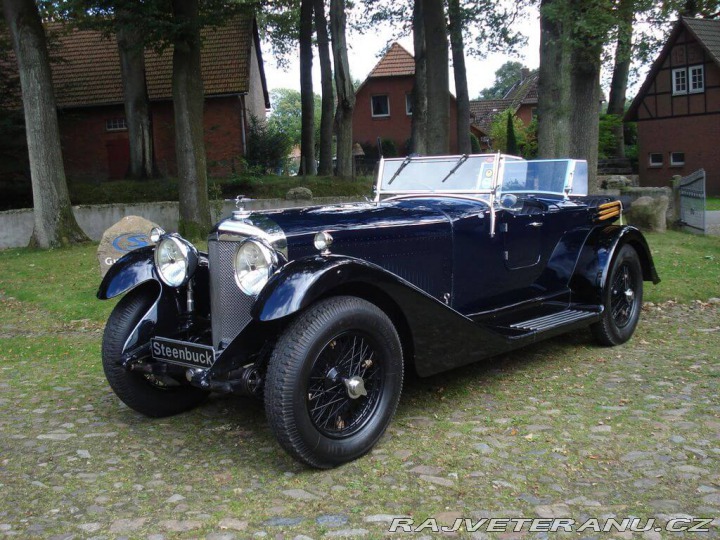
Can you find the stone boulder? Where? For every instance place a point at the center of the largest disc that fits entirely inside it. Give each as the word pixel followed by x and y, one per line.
pixel 615 181
pixel 299 193
pixel 131 232
pixel 649 213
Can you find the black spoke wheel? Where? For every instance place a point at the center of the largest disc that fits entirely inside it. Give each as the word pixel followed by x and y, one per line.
pixel 336 405
pixel 151 395
pixel 334 381
pixel 622 299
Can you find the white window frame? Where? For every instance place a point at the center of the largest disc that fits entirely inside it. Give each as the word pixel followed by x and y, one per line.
pixel 653 164
pixel 701 88
pixel 673 162
pixel 116 124
pixel 372 108
pixel 408 104
pixel 675 90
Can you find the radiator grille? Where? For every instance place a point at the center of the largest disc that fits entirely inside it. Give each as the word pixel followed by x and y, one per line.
pixel 229 306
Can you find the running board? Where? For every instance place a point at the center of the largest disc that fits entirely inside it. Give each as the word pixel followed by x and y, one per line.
pixel 554 320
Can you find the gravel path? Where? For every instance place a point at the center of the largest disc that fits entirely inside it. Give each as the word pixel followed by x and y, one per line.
pixel 562 429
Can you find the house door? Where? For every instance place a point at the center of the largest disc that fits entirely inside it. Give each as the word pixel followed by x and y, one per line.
pixel 118 156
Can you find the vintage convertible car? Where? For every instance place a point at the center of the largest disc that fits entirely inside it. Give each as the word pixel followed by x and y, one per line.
pixel 319 310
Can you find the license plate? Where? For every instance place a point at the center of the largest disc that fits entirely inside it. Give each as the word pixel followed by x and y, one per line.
pixel 182 353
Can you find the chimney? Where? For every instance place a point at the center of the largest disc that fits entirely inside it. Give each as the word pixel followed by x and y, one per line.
pixel 524 73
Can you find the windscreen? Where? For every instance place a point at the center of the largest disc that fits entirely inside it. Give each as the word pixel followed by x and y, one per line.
pixel 452 174
pixel 547 176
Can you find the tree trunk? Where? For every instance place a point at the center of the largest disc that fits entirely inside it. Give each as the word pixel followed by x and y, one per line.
pixel 188 101
pixel 621 71
pixel 438 83
pixel 418 141
pixel 308 165
pixel 460 74
pixel 553 88
pixel 585 117
pixel 344 89
pixel 328 99
pixel 131 47
pixel 54 222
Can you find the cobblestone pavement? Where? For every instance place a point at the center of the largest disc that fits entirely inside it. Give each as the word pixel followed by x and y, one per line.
pixel 564 428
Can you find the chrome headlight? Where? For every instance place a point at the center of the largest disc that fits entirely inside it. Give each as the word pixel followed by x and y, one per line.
pixel 175 260
pixel 254 264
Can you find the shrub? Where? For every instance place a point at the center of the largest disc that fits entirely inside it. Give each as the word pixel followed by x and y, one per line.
pixel 474 144
pixel 267 148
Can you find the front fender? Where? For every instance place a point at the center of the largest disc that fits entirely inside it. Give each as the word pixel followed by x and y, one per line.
pixel 597 254
pixel 438 337
pixel 301 282
pixel 131 270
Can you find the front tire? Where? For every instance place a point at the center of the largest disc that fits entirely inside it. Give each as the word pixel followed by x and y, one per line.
pixel 622 299
pixel 144 393
pixel 334 381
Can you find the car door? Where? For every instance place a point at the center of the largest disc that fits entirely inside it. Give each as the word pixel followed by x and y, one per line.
pixel 522 235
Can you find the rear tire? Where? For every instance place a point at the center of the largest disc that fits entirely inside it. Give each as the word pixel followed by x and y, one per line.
pixel 334 381
pixel 140 391
pixel 622 299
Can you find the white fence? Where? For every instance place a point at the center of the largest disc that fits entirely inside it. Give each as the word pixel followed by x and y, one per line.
pixel 16 225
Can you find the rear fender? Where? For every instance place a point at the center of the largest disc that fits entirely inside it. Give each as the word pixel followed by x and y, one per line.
pixel 594 263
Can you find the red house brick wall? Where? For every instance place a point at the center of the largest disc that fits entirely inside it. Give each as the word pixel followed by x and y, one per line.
pixel 688 123
pixel 696 136
pixel 525 113
pixel 91 152
pixel 397 126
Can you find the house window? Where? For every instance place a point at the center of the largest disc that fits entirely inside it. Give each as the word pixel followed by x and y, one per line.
pixel 697 79
pixel 115 124
pixel 380 106
pixel 408 104
pixel 656 160
pixel 677 159
pixel 680 83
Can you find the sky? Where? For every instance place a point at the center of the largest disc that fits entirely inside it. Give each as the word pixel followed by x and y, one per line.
pixel 364 52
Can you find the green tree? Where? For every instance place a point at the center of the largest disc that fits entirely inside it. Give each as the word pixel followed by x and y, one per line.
pixel 327 118
pixel 512 144
pixel 188 102
pixel 573 35
pixel 438 83
pixel 506 76
pixel 507 127
pixel 343 88
pixel 268 147
pixel 462 97
pixel 308 164
pixel 54 221
pixel 286 112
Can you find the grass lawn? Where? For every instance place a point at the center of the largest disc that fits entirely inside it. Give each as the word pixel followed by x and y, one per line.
pixel 712 203
pixel 562 428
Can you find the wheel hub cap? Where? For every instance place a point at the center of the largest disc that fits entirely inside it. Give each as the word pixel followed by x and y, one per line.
pixel 630 295
pixel 355 387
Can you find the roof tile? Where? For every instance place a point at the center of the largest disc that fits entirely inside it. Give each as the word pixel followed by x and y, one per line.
pixel 397 62
pixel 88 70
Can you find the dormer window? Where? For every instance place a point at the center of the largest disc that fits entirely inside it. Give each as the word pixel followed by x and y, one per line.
pixel 690 80
pixel 697 79
pixel 680 83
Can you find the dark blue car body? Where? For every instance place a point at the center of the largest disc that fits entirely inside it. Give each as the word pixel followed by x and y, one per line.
pixel 461 276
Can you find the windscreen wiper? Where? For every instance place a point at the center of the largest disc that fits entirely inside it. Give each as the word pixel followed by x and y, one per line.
pixel 400 168
pixel 462 160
